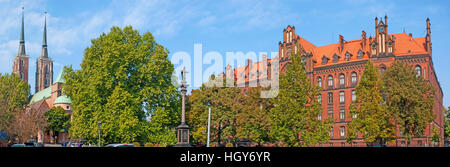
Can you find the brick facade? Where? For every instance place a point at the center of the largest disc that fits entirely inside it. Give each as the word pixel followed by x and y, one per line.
pixel 338 67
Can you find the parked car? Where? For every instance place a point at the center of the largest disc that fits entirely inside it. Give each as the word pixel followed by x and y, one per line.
pixel 18 145
pixel 120 145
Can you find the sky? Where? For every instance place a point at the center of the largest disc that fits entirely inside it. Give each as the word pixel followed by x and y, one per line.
pixel 220 26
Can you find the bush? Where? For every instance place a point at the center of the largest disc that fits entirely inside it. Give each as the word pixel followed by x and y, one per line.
pixel 136 144
pixel 148 145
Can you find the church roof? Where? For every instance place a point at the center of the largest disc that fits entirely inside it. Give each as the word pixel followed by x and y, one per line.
pixel 63 100
pixel 60 78
pixel 43 94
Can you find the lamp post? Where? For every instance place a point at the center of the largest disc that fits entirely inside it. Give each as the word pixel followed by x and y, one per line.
pixel 99 133
pixel 209 125
pixel 183 128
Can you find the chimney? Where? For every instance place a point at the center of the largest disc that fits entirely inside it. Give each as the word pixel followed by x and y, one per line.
pixel 376 23
pixel 385 20
pixel 363 36
pixel 428 37
pixel 341 41
pixel 410 36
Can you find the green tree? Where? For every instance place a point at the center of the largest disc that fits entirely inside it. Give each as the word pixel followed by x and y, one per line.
pixel 225 103
pixel 447 122
pixel 410 98
pixel 294 117
pixel 13 97
pixel 254 121
pixel 372 120
pixel 124 79
pixel 58 120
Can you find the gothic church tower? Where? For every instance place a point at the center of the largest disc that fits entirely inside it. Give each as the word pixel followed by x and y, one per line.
pixel 44 65
pixel 20 66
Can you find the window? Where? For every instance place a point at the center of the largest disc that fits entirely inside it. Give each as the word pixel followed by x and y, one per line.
pixel 342 131
pixel 324 60
pixel 319 98
pixel 319 117
pixel 360 54
pixel 353 95
pixel 330 97
pixel 342 115
pixel 330 113
pixel 342 80
pixel 419 143
pixel 330 82
pixel 341 97
pixel 21 63
pixel 21 75
pixel 331 134
pixel 354 79
pixel 354 116
pixel 343 144
pixel 335 58
pixel 319 82
pixel 347 56
pixel 67 107
pixel 418 70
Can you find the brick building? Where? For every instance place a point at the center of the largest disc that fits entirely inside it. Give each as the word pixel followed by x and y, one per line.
pixel 337 69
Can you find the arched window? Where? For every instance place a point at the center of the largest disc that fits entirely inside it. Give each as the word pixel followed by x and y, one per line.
pixel 418 70
pixel 354 78
pixel 342 80
pixel 330 82
pixel 319 82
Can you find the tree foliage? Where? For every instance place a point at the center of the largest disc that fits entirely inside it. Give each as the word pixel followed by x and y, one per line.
pixel 225 103
pixel 296 109
pixel 253 122
pixel 124 79
pixel 410 98
pixel 58 119
pixel 373 120
pixel 13 98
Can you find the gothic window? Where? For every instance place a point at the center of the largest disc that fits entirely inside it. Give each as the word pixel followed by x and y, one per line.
pixel 360 54
pixel 418 70
pixel 330 82
pixel 354 78
pixel 21 63
pixel 21 76
pixel 319 82
pixel 303 59
pixel 342 80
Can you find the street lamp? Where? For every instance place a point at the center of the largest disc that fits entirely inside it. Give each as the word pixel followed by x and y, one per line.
pixel 209 125
pixel 99 133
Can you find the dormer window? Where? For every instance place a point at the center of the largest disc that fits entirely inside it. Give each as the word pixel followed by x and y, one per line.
pixel 348 56
pixel 360 54
pixel 324 60
pixel 335 58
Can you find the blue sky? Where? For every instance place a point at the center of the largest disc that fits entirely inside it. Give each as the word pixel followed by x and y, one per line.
pixel 234 25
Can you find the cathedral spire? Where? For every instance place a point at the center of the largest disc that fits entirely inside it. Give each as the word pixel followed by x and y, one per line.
pixel 22 37
pixel 44 53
